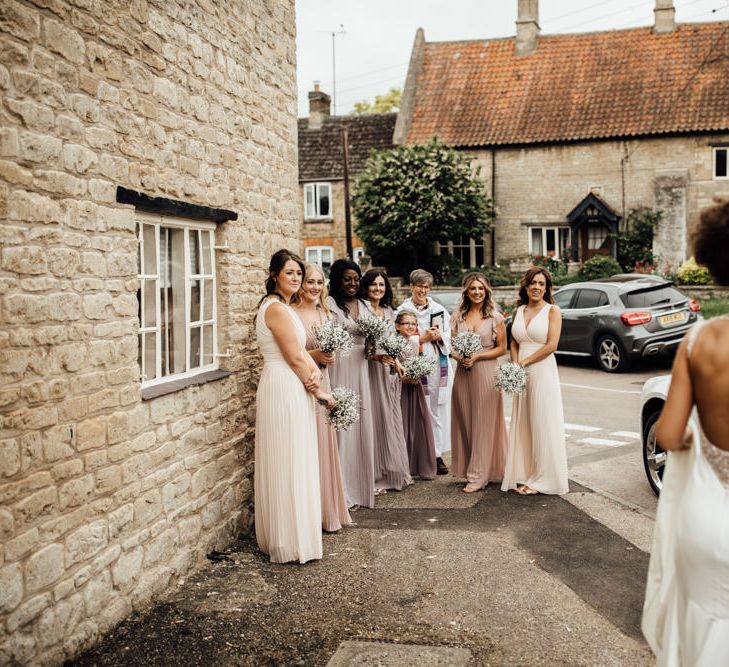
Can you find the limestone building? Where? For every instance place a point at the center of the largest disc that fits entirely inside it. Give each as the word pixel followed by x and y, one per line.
pixel 147 171
pixel 573 131
pixel 321 174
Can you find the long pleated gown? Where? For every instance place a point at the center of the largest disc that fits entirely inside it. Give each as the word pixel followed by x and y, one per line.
pixel 537 455
pixel 478 428
pixel 287 500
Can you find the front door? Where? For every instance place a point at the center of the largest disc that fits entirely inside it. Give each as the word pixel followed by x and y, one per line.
pixel 595 239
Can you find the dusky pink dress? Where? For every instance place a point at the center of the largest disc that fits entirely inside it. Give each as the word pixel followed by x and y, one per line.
pixel 334 513
pixel 478 428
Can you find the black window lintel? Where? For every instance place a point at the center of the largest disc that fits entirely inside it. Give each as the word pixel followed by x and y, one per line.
pixel 166 206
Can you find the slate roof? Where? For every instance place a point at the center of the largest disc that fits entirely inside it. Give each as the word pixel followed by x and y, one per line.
pixel 573 87
pixel 320 151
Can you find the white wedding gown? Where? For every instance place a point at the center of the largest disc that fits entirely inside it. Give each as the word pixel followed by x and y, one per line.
pixel 287 500
pixel 686 610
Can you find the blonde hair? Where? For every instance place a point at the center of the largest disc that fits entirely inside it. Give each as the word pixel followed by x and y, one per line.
pixel 487 307
pixel 309 268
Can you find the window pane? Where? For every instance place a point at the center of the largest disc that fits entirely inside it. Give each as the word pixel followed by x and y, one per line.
pixel 324 201
pixel 563 298
pixel 194 300
pixel 149 266
pixel 207 345
pixel 551 241
pixel 564 241
pixel 138 232
pixel 479 255
pixel 194 252
pixel 537 241
pixel 194 347
pixel 150 304
pixel 150 356
pixel 589 298
pixel 309 198
pixel 176 299
pixel 206 248
pixel 721 162
pixel 208 299
pixel 140 354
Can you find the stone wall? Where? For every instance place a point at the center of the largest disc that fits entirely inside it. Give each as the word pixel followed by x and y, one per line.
pixel 541 185
pixel 105 498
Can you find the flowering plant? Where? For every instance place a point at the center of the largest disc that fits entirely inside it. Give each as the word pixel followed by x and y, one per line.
pixel 465 344
pixel 511 378
pixel 372 328
pixel 346 408
pixel 393 345
pixel 333 337
pixel 418 366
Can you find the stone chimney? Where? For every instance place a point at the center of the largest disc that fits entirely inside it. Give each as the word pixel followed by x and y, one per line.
pixel 665 16
pixel 527 27
pixel 319 107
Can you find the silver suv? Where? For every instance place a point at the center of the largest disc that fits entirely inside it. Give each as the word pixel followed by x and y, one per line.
pixel 623 318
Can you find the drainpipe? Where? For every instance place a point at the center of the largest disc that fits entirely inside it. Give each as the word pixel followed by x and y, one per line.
pixel 493 202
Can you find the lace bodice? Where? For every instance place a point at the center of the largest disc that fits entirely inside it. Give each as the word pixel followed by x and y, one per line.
pixel 716 457
pixel 266 343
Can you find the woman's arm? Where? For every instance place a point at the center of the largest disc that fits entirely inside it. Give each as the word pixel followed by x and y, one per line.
pixel 323 358
pixel 500 348
pixel 671 428
pixel 279 322
pixel 555 328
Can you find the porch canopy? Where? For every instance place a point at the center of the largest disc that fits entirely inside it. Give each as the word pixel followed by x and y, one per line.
pixel 593 225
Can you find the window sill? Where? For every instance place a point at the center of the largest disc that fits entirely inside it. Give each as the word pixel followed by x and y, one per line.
pixel 319 219
pixel 157 390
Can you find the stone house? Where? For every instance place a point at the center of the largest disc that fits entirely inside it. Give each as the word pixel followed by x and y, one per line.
pixel 574 131
pixel 321 174
pixel 147 171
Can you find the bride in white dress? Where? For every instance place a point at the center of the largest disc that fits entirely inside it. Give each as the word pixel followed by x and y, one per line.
pixel 686 611
pixel 287 500
pixel 536 458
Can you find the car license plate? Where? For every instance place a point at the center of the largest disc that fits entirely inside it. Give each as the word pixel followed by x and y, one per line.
pixel 672 318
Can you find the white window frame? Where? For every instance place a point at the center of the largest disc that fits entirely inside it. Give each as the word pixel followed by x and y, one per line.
pixel 314 189
pixel 313 255
pixel 555 228
pixel 715 150
pixel 357 253
pixel 473 243
pixel 159 222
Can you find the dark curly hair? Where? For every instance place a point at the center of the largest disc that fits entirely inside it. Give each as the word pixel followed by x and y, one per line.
pixel 336 273
pixel 526 281
pixel 368 278
pixel 711 240
pixel 487 307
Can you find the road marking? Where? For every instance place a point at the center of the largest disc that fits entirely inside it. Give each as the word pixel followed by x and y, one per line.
pixel 626 434
pixel 602 442
pixel 580 427
pixel 615 391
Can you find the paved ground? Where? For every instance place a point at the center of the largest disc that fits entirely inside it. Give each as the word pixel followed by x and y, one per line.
pixel 435 576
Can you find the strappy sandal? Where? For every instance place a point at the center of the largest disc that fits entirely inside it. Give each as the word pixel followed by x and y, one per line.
pixel 527 491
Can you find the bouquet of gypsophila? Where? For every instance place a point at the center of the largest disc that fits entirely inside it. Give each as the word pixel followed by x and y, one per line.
pixel 418 366
pixel 511 378
pixel 465 344
pixel 372 328
pixel 393 345
pixel 332 337
pixel 346 409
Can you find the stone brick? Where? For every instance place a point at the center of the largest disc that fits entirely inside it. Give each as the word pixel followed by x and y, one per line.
pixel 11 587
pixel 86 542
pixel 116 168
pixel 59 622
pixel 32 207
pixel 64 40
pixel 64 307
pixel 19 21
pixel 126 569
pixel 147 507
pixel 67 469
pixel 78 158
pixel 91 433
pixel 21 545
pixel 14 173
pixel 108 479
pixel 44 567
pixel 95 306
pixel 120 519
pixel 117 427
pixel 106 398
pixel 34 116
pixel 28 611
pixel 39 148
pixel 60 183
pixel 97 593
pixel 38 504
pixel 9 457
pixel 24 260
pixel 121 264
pixel 63 262
pixel 161 548
pixel 70 128
pixel 7 525
pixel 9 145
pixel 125 305
pixel 76 492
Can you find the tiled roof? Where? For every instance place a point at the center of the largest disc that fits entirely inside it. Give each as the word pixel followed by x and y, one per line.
pixel 320 151
pixel 573 87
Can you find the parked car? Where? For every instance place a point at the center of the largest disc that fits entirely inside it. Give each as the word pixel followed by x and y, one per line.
pixel 624 318
pixel 652 399
pixel 447 298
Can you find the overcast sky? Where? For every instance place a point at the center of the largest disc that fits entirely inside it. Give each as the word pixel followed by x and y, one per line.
pixel 373 52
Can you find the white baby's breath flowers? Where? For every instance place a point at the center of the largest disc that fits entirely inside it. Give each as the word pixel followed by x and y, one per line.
pixel 418 366
pixel 466 344
pixel 346 409
pixel 371 327
pixel 511 378
pixel 332 337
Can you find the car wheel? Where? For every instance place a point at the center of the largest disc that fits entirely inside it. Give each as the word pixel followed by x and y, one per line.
pixel 611 355
pixel 654 458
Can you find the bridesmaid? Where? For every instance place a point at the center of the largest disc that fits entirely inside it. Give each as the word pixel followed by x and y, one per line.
pixel 286 477
pixel 478 429
pixel 313 311
pixel 417 425
pixel 392 469
pixel 536 461
pixel 356 446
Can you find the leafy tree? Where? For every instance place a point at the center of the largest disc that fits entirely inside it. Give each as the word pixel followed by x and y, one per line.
pixel 390 101
pixel 635 245
pixel 408 197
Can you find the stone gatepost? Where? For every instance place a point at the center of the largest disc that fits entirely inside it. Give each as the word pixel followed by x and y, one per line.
pixel 669 237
